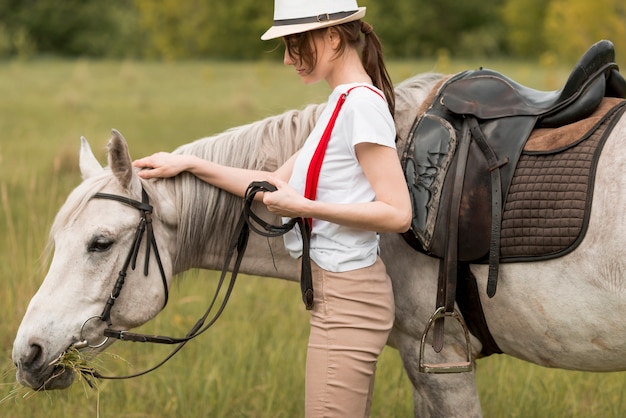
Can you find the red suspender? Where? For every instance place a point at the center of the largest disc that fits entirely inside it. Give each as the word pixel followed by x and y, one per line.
pixel 315 165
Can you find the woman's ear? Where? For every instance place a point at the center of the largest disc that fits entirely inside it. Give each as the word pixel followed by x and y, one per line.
pixel 333 37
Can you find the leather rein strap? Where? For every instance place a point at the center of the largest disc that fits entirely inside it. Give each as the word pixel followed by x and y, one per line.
pixel 248 220
pixel 268 230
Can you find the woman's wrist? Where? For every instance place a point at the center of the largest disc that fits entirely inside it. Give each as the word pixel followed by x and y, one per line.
pixel 194 165
pixel 203 169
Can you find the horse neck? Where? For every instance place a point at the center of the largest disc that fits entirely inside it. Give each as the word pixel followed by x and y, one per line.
pixel 208 215
pixel 412 96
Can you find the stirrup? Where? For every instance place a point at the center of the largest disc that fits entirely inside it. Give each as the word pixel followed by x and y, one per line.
pixel 453 367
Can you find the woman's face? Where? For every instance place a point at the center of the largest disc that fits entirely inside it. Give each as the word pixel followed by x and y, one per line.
pixel 311 54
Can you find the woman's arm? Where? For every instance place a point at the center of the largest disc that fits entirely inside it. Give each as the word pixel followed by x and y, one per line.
pixel 232 179
pixel 390 212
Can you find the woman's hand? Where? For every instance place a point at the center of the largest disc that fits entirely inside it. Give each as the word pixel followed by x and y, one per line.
pixel 285 201
pixel 163 164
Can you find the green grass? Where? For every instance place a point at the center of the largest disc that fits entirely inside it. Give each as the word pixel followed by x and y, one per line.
pixel 251 364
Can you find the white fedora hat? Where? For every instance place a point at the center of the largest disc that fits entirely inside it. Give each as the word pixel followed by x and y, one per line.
pixel 297 16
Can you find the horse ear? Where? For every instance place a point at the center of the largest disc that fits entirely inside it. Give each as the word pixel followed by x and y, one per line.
pixel 121 163
pixel 89 165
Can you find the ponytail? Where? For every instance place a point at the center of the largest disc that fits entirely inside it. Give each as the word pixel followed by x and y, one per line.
pixel 371 56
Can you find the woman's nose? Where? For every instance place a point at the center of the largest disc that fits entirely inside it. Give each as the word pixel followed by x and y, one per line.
pixel 287 59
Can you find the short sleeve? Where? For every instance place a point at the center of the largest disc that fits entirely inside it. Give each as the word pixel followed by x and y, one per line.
pixel 366 118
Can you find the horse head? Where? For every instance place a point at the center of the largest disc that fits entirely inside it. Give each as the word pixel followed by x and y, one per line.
pixel 93 240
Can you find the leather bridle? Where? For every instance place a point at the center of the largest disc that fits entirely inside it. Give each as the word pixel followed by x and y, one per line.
pixel 248 220
pixel 144 227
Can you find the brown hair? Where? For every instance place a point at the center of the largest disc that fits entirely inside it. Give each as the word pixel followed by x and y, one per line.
pixel 300 46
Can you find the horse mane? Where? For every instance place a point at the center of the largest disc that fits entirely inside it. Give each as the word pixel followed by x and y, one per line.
pixel 211 213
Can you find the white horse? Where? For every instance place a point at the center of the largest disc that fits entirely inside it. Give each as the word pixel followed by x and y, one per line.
pixel 564 313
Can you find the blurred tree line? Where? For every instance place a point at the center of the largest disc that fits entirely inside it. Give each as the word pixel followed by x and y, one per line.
pixel 175 29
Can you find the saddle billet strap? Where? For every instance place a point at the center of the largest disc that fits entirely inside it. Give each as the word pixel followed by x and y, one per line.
pixel 496 203
pixel 471 308
pixel 446 294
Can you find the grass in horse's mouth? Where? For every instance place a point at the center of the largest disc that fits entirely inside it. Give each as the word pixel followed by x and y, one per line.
pixel 71 360
pixel 83 364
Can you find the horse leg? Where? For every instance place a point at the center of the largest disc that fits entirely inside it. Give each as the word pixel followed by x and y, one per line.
pixel 414 279
pixel 438 395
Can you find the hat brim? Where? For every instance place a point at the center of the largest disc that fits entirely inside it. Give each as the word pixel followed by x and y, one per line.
pixel 280 31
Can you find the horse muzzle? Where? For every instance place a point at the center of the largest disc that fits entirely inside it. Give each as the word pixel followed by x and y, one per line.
pixel 36 372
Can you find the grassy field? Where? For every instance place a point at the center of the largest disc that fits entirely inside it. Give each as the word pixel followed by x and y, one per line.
pixel 251 364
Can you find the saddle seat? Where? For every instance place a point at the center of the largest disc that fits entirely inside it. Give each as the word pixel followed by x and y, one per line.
pixel 487 94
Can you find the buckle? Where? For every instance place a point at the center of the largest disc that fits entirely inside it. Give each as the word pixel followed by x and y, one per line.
pixel 323 17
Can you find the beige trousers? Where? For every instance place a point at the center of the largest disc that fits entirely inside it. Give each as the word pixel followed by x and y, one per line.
pixel 351 319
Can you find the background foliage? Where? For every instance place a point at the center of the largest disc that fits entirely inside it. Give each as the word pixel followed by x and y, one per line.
pixel 172 29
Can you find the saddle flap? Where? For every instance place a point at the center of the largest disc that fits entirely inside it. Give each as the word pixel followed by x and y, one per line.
pixel 433 143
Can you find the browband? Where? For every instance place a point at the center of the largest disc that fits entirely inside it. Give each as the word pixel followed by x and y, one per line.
pixel 314 19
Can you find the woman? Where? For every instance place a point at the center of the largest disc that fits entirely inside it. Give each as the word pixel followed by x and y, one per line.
pixel 360 191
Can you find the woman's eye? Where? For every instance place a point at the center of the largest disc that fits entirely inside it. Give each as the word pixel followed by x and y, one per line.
pixel 100 244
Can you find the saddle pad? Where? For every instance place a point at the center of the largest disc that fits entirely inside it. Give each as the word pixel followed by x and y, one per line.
pixel 552 139
pixel 547 208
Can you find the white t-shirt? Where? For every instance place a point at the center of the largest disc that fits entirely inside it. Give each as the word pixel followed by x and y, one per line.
pixel 364 117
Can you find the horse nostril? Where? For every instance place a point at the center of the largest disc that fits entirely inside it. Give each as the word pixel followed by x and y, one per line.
pixel 33 355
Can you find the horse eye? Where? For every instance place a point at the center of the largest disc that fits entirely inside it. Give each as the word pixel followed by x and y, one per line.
pixel 99 245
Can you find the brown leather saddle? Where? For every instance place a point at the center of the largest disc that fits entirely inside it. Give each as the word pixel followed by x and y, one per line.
pixel 462 153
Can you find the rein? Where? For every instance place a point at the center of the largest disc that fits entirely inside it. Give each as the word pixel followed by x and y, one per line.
pixel 247 221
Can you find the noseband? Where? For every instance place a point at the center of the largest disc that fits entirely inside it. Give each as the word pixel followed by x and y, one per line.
pixel 238 243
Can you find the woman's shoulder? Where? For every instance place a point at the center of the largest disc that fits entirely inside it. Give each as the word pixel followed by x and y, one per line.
pixel 366 116
pixel 367 99
pixel 362 90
